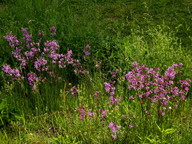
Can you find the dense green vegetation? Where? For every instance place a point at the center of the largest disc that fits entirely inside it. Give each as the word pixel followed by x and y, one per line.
pixel 106 36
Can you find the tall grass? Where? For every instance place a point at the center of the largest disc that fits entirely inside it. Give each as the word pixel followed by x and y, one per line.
pixel 97 107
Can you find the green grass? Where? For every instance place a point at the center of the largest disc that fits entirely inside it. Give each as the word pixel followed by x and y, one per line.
pixel 154 33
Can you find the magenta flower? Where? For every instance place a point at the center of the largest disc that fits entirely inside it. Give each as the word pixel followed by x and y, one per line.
pixel 114 136
pixel 73 90
pixel 103 114
pixel 52 45
pixel 44 58
pixel 113 74
pixel 40 63
pixel 131 98
pixel 123 116
pixel 155 87
pixel 114 129
pixel 11 72
pixel 52 29
pixel 162 113
pixel 114 100
pixel 86 52
pixel 32 79
pixel 82 112
pixel 13 42
pixel 68 55
pixel 41 33
pixel 107 86
pixel 111 125
pixel 91 114
pixel 26 36
pixel 131 125
pixel 29 54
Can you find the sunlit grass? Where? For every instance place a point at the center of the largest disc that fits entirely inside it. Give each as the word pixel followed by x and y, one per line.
pixel 79 108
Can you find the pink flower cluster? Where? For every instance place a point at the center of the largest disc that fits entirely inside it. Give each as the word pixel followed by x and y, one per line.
pixel 73 90
pixel 53 31
pixel 91 114
pixel 109 88
pixel 114 74
pixel 40 64
pixel 83 113
pixel 153 86
pixel 114 100
pixel 86 52
pixel 13 42
pixel 26 36
pixel 32 78
pixel 103 113
pixel 11 72
pixel 114 129
pixel 38 57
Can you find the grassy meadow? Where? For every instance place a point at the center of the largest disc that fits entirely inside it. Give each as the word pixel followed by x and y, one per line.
pixel 95 71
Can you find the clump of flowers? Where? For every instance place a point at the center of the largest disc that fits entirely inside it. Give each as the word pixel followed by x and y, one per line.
pixel 83 112
pixel 103 113
pixel 53 31
pixel 91 114
pixel 114 74
pixel 11 72
pixel 73 90
pixel 86 52
pixel 114 129
pixel 13 42
pixel 114 100
pixel 152 87
pixel 109 88
pixel 39 59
